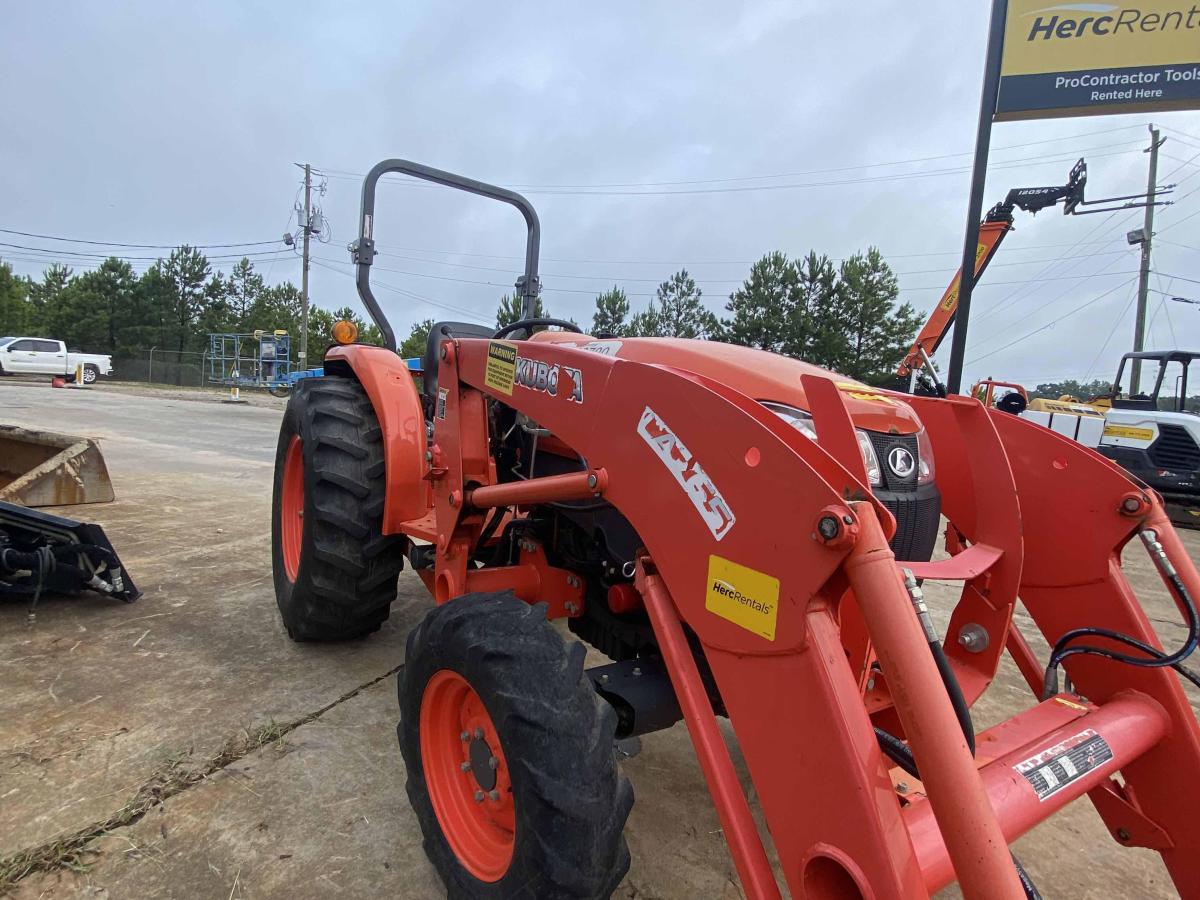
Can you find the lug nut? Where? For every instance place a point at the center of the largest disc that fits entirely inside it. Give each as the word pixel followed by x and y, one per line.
pixel 479 733
pixel 495 795
pixel 493 763
pixel 465 766
pixel 479 796
pixel 465 736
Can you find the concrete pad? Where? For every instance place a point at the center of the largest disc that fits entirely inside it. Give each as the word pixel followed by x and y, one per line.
pixel 322 813
pixel 100 697
pixel 98 694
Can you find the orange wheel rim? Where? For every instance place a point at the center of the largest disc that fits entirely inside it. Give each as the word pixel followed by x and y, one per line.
pixel 291 508
pixel 467 776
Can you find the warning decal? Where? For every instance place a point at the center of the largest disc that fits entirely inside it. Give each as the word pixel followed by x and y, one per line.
pixel 744 596
pixel 1056 767
pixel 501 367
pixel 1129 431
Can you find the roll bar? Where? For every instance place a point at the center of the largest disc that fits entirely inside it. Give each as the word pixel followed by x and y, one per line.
pixel 362 250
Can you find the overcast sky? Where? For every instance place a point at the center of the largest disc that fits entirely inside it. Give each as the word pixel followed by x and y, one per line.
pixel 163 123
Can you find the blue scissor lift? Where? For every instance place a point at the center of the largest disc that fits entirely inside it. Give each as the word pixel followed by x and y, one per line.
pixel 261 359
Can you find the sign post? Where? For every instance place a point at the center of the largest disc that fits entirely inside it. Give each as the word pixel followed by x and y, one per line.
pixel 1074 59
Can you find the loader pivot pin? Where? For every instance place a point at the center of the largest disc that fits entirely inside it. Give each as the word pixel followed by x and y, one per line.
pixel 829 528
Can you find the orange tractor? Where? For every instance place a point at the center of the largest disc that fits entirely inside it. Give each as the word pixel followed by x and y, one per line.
pixel 743 536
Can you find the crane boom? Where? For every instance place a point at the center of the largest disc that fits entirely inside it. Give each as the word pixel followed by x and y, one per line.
pixel 992 231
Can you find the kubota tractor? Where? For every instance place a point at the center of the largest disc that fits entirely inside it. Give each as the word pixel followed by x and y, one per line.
pixel 743 535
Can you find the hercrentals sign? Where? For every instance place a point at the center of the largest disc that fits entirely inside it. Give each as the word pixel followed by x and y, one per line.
pixel 1065 59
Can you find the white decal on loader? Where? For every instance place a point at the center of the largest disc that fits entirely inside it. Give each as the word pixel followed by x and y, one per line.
pixel 691 476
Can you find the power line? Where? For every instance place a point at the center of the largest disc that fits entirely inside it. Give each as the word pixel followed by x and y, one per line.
pixel 1116 324
pixel 1054 322
pixel 56 254
pixel 870 179
pixel 709 281
pixel 341 173
pixel 320 261
pixel 561 290
pixel 686 264
pixel 51 237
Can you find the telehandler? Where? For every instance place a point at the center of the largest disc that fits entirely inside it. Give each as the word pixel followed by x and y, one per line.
pixel 744 536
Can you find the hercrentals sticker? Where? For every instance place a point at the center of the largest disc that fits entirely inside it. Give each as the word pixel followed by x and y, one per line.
pixel 691 476
pixel 746 597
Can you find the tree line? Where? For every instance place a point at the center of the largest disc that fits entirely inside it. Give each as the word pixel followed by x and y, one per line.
pixel 845 317
pixel 174 305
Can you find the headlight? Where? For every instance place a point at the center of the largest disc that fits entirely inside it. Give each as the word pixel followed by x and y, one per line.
pixel 803 423
pixel 924 457
pixel 870 460
pixel 797 418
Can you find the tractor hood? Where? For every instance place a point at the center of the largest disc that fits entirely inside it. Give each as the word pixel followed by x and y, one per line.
pixel 756 373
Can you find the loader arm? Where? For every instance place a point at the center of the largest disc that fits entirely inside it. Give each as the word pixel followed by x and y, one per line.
pixel 765 547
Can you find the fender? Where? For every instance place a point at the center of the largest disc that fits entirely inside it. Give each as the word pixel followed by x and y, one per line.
pixel 389 385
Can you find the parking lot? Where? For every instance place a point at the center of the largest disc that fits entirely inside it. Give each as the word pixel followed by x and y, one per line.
pixel 182 746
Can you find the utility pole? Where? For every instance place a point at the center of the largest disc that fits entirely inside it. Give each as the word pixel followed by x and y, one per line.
pixel 307 223
pixel 1139 328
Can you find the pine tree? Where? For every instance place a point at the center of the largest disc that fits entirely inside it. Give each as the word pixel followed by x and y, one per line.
pixel 877 332
pixel 242 290
pixel 418 337
pixel 612 309
pixel 765 307
pixel 185 276
pixel 680 312
pixel 510 309
pixel 16 311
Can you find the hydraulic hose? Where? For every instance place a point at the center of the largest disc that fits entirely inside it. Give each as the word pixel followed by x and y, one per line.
pixel 961 710
pixel 1154 658
pixel 899 753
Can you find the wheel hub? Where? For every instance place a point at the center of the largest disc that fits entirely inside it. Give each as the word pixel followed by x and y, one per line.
pixel 483 764
pixel 467 775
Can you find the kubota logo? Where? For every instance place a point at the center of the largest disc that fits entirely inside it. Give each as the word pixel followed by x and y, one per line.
pixel 695 482
pixel 545 377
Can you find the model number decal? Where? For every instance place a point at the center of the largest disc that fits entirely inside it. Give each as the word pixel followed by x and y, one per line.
pixel 688 472
pixel 1056 767
pixel 546 377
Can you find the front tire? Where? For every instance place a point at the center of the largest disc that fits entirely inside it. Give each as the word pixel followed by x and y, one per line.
pixel 509 752
pixel 335 571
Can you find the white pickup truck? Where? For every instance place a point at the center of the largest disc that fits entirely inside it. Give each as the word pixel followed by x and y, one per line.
pixel 40 356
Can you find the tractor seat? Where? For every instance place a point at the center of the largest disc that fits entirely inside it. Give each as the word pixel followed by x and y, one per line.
pixel 437 334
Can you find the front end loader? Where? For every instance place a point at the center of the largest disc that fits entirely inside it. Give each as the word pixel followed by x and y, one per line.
pixel 744 536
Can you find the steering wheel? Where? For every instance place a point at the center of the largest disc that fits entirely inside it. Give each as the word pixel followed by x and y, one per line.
pixel 534 323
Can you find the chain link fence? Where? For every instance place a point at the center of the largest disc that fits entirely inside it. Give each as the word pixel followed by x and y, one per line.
pixel 183 368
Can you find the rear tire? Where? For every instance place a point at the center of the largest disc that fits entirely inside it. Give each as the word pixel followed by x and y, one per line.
pixel 335 571
pixel 90 374
pixel 554 827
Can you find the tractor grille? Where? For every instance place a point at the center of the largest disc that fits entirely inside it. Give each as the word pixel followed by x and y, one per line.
pixel 1174 449
pixel 884 444
pixel 917 508
pixel 917 521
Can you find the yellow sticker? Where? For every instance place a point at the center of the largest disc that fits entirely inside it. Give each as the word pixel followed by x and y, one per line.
pixel 1129 431
pixel 862 392
pixel 1071 703
pixel 501 367
pixel 746 597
